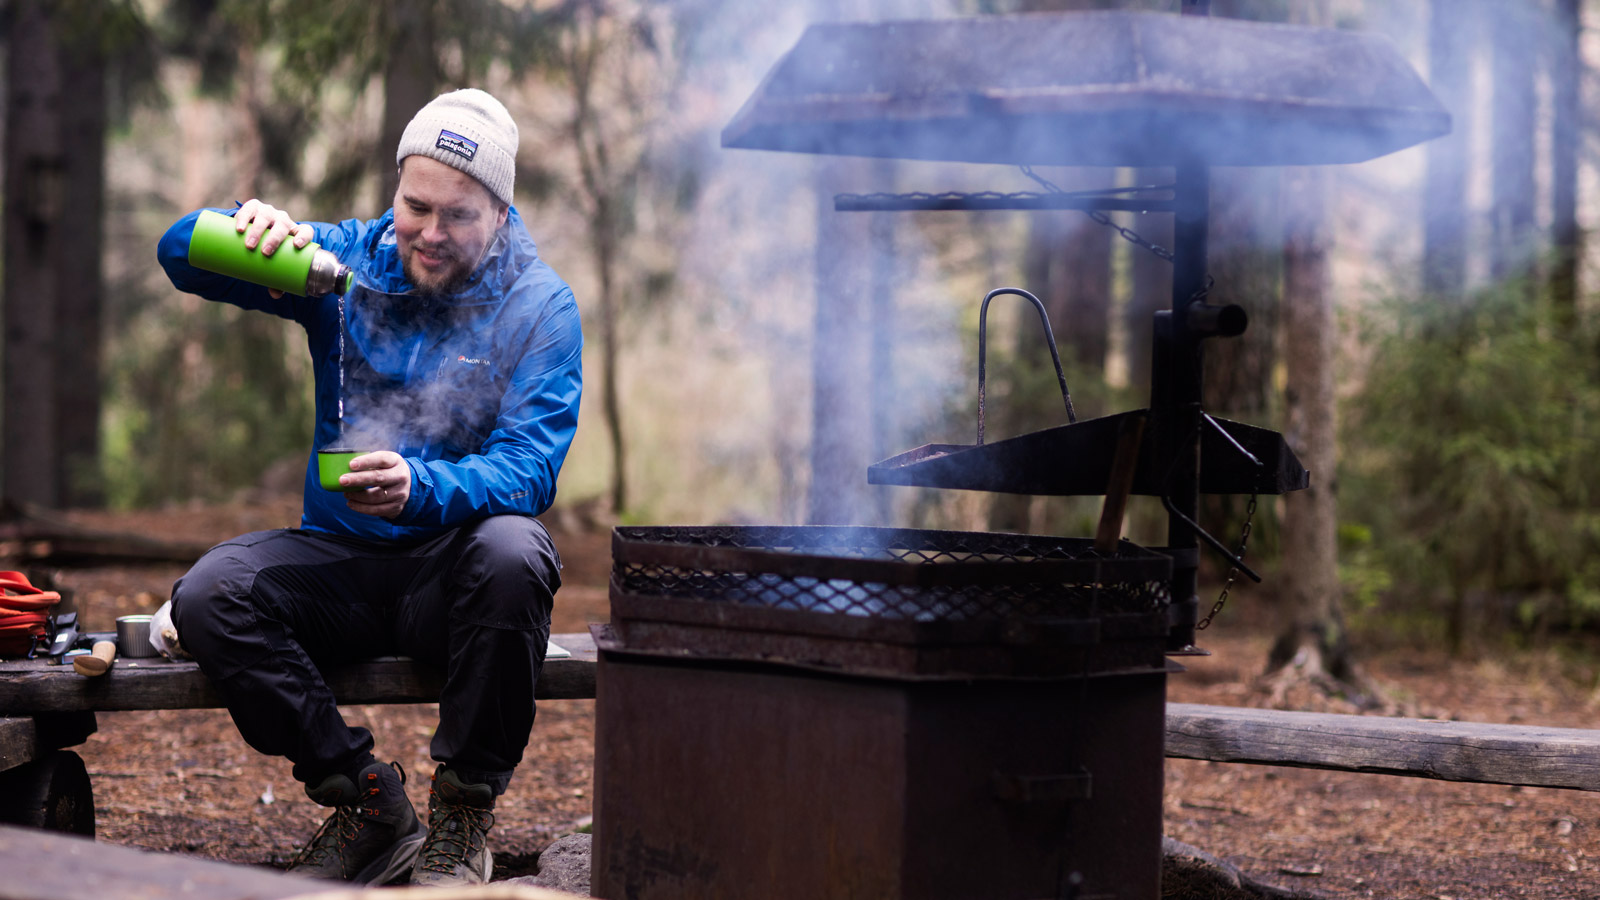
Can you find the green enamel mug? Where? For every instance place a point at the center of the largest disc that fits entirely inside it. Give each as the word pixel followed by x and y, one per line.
pixel 333 462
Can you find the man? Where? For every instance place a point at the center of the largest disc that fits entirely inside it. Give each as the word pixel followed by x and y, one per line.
pixel 456 360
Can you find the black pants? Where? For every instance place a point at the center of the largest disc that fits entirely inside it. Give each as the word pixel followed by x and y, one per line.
pixel 261 613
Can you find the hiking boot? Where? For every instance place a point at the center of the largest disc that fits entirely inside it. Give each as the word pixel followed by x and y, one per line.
pixel 456 850
pixel 372 836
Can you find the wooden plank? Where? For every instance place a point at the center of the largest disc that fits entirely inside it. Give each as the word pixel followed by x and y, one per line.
pixel 48 865
pixel 1450 751
pixel 18 742
pixel 28 686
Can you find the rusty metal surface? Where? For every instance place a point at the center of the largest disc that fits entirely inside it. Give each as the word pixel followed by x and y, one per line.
pixel 1091 88
pixel 715 781
pixel 1066 650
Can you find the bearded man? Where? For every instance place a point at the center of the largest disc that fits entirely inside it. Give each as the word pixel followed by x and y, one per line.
pixel 456 361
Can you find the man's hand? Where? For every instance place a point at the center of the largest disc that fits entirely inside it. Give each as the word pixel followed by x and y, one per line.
pixel 268 227
pixel 385 482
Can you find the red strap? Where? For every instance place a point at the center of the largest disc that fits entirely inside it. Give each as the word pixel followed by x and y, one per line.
pixel 35 628
pixel 16 581
pixel 30 603
pixel 16 592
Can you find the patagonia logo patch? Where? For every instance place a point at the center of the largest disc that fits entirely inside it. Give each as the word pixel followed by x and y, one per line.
pixel 455 143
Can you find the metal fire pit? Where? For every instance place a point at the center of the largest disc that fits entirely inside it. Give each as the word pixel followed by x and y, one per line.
pixel 861 712
pixel 855 713
pixel 889 601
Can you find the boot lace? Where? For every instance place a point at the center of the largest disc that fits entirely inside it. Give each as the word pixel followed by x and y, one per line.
pixel 335 834
pixel 339 829
pixel 455 834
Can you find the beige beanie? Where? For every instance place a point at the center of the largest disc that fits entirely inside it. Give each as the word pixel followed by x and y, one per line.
pixel 471 131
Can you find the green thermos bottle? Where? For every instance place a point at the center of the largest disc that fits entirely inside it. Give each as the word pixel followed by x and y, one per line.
pixel 308 271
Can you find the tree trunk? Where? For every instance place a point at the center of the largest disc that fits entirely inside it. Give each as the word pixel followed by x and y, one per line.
pixel 1071 256
pixel 54 189
pixel 77 362
pixel 1566 78
pixel 409 80
pixel 841 408
pixel 1452 36
pixel 1515 109
pixel 1314 624
pixel 604 236
pixel 1245 261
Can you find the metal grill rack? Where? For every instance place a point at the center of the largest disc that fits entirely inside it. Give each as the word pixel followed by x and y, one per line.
pixel 886 599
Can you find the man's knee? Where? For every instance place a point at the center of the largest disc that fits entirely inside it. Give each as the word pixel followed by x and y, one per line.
pixel 211 603
pixel 510 569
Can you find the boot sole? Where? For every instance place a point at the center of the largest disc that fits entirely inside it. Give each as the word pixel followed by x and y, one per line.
pixel 396 862
pixel 479 877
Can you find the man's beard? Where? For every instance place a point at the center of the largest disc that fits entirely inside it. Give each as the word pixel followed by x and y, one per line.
pixel 432 284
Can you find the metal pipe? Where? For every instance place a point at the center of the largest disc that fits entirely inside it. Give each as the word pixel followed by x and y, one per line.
pixel 1178 412
pixel 973 202
pixel 1205 320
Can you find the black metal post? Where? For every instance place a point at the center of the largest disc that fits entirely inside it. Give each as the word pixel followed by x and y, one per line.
pixel 1175 396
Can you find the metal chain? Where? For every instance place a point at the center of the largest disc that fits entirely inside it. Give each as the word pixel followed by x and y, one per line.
pixel 1244 544
pixel 1128 234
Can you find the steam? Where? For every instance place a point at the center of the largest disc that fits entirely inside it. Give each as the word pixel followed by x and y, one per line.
pixel 455 405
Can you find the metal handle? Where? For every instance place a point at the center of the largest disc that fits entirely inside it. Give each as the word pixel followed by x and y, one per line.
pixel 983 349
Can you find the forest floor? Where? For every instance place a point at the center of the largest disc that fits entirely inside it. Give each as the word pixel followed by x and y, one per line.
pixel 183 781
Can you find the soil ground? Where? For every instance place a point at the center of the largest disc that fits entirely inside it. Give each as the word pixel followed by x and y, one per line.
pixel 183 781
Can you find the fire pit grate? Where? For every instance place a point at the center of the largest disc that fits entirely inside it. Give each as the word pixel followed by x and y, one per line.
pixel 896 574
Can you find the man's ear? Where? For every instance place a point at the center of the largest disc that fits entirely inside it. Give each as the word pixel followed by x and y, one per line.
pixel 505 210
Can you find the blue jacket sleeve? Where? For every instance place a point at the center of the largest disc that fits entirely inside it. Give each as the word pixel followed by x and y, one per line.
pixel 515 471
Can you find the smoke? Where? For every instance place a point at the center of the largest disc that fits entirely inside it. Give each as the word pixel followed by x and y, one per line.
pixel 888 364
pixel 849 322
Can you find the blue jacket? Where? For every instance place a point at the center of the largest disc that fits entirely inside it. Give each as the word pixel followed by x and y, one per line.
pixel 478 392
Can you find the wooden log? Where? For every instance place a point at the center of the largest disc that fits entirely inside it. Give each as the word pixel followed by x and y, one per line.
pixel 29 686
pixel 17 742
pixel 36 532
pixel 44 865
pixel 1450 751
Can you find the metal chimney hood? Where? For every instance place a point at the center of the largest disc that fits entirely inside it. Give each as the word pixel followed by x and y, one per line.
pixel 1091 89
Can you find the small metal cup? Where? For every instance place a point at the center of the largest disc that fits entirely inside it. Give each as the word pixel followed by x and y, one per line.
pixel 133 636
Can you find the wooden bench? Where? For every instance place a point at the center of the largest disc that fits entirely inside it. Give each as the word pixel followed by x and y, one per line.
pixel 1528 755
pixel 45 709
